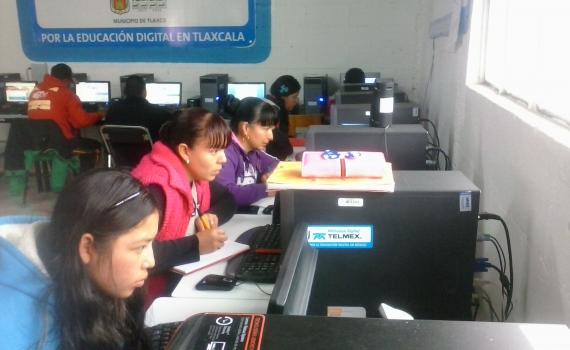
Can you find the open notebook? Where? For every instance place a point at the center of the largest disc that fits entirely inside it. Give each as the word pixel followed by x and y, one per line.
pixel 229 250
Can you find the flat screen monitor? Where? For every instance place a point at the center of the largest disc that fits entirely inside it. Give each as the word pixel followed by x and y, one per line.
pixel 243 90
pixel 19 91
pixel 93 91
pixel 164 94
pixel 369 80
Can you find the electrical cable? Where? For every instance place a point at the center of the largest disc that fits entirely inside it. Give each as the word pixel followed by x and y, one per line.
pixel 259 287
pixel 491 216
pixel 485 297
pixel 386 155
pixel 436 134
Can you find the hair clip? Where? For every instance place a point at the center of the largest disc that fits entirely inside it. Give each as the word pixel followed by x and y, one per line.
pixel 283 89
pixel 123 201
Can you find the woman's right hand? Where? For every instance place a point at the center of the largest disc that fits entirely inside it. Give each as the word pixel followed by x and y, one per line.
pixel 211 240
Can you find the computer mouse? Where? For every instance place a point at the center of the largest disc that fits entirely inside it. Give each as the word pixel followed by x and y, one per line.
pixel 268 210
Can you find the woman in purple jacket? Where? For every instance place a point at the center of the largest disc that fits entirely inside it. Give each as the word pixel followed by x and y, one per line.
pixel 248 166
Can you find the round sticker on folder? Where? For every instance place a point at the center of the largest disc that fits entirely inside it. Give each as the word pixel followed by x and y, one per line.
pixel 340 236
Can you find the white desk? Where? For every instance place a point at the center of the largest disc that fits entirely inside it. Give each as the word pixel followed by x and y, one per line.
pixel 187 300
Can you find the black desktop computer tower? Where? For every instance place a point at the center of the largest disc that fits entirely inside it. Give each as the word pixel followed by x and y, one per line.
pixel 147 77
pixel 406 143
pixel 315 94
pixel 80 77
pixel 358 114
pixel 213 90
pixel 420 260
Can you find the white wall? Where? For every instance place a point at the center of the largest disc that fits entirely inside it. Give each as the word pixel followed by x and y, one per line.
pixel 308 37
pixel 521 163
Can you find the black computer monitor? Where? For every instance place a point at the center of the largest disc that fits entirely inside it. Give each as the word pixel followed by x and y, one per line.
pixel 4 77
pixel 415 248
pixel 18 91
pixel 93 92
pixel 403 145
pixel 164 94
pixel 242 90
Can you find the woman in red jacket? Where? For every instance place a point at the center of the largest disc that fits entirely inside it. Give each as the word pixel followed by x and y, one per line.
pixel 178 173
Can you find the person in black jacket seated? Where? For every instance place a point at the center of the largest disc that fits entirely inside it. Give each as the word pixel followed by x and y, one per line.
pixel 284 92
pixel 354 76
pixel 134 109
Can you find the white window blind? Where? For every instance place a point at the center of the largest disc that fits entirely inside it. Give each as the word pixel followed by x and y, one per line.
pixel 528 52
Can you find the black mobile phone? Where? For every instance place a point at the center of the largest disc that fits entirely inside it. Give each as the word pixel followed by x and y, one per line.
pixel 216 282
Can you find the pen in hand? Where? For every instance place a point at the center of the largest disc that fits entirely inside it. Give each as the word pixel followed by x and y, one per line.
pixel 205 222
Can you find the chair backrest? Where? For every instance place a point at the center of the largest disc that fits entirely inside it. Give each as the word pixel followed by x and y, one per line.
pixel 37 135
pixel 125 143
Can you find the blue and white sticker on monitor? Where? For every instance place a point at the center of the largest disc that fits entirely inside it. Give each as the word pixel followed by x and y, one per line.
pixel 340 236
pixel 465 204
pixel 210 31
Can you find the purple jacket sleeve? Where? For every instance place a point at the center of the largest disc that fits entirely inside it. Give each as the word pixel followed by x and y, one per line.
pixel 243 195
pixel 267 162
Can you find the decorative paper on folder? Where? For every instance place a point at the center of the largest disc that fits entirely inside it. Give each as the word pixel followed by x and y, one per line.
pixel 229 250
pixel 287 176
pixel 343 164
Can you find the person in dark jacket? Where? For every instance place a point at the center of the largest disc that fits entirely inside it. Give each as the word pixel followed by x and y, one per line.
pixel 354 76
pixel 284 92
pixel 248 166
pixel 134 109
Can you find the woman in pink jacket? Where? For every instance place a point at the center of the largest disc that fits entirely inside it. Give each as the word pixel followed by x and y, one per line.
pixel 178 173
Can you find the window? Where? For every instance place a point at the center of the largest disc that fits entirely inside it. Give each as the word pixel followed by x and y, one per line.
pixel 527 53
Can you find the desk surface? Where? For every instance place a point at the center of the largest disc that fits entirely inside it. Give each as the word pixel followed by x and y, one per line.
pixel 187 300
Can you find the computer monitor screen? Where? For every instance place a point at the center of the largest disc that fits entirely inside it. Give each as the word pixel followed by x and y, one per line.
pixel 19 91
pixel 93 91
pixel 243 90
pixel 370 80
pixel 164 93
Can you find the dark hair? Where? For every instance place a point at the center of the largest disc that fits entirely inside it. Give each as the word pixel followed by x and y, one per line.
pixel 100 202
pixel 354 76
pixel 285 85
pixel 253 110
pixel 134 86
pixel 61 71
pixel 195 123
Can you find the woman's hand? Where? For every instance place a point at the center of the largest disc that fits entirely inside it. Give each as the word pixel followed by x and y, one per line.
pixel 206 222
pixel 264 178
pixel 210 240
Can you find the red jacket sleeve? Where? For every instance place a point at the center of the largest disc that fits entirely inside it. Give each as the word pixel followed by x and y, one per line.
pixel 78 118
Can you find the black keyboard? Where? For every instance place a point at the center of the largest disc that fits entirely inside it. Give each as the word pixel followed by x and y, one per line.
pixel 160 335
pixel 262 237
pixel 261 263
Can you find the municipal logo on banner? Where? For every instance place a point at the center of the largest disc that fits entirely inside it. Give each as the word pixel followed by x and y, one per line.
pixel 120 6
pixel 341 236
